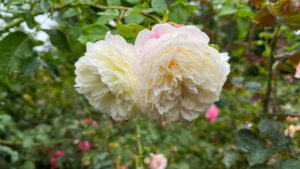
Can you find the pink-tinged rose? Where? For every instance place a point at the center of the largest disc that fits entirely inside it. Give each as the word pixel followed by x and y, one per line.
pixel 297 75
pixel 158 161
pixel 86 120
pixel 179 75
pixel 95 123
pixel 212 113
pixel 86 146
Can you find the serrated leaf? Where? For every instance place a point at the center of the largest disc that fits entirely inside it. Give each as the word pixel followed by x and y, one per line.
pixel 93 33
pixel 14 48
pixel 137 9
pixel 178 13
pixel 248 141
pixel 258 156
pixel 159 6
pixel 58 39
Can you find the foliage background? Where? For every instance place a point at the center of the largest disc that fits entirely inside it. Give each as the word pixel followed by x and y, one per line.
pixel 41 113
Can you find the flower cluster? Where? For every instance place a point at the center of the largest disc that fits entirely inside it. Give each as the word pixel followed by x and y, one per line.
pixel 170 73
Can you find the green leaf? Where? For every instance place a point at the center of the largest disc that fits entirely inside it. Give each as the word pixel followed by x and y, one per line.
pixel 71 12
pixel 260 166
pixel 58 39
pixel 29 19
pixel 291 164
pixel 243 27
pixel 129 31
pixel 133 1
pixel 229 159
pixel 31 66
pixel 113 2
pixel 93 33
pixel 248 141
pixel 52 69
pixel 258 156
pixel 134 19
pixel 159 6
pixel 237 80
pixel 14 48
pixel 27 142
pixel 109 12
pixel 252 86
pixel 137 9
pixel 273 130
pixel 102 20
pixel 269 127
pixel 42 6
pixel 178 13
pixel 226 10
pixel 14 155
pixel 28 165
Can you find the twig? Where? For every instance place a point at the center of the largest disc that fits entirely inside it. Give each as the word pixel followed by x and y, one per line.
pixel 17 22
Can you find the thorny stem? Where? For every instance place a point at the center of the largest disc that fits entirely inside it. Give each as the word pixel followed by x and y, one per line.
pixel 270 72
pixel 17 22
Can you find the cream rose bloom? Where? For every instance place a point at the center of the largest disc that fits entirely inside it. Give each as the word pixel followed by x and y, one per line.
pixel 104 75
pixel 179 75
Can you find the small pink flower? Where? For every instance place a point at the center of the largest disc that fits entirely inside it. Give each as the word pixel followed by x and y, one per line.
pixel 289 78
pixel 39 102
pixel 76 141
pixel 212 113
pixel 59 154
pixel 54 158
pixel 297 75
pixel 158 161
pixel 53 162
pixel 85 145
pixel 86 120
pixel 163 123
pixel 95 123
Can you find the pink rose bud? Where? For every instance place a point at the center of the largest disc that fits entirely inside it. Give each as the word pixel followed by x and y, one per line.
pixel 87 120
pixel 212 113
pixel 95 123
pixel 297 75
pixel 158 161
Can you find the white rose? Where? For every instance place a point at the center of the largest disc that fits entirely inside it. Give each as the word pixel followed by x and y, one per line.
pixel 179 75
pixel 104 75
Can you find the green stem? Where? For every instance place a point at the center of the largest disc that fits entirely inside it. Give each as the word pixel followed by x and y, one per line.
pixel 139 158
pixel 270 72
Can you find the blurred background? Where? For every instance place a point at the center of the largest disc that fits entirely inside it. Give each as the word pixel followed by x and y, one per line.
pixel 45 123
